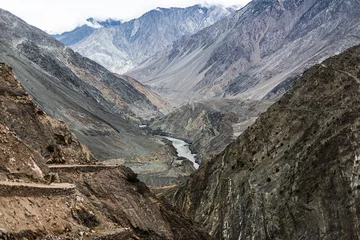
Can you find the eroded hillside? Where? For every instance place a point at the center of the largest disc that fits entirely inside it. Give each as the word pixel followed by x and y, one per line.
pixel 52 188
pixel 294 174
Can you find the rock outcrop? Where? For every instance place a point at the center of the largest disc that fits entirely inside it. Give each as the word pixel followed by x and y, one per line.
pixel 294 174
pixel 79 199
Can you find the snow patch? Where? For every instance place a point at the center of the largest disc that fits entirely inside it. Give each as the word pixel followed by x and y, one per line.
pixel 159 10
pixel 93 23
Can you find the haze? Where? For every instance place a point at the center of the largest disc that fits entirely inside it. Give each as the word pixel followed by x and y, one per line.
pixel 59 16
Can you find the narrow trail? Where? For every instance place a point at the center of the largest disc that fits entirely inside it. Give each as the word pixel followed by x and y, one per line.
pixel 80 168
pixel 21 189
pixel 344 72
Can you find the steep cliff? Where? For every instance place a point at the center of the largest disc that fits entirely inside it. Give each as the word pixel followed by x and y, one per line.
pixel 294 174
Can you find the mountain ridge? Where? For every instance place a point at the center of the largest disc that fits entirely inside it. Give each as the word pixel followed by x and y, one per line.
pixel 238 57
pixel 122 47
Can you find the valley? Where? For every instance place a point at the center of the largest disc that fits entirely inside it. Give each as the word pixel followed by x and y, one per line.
pixel 254 53
pixel 53 187
pixel 288 173
pixel 199 122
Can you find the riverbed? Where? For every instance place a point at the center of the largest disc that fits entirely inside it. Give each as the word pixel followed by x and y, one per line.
pixel 183 150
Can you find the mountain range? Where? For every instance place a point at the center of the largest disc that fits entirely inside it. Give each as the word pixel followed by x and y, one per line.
pixel 266 44
pixel 121 46
pixel 293 174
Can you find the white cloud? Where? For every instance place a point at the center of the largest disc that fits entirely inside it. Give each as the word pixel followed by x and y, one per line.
pixel 62 15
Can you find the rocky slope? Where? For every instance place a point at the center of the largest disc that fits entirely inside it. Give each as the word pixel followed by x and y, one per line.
pixel 294 174
pixel 101 108
pixel 209 126
pixel 163 106
pixel 21 118
pixel 253 50
pixel 121 48
pixel 85 200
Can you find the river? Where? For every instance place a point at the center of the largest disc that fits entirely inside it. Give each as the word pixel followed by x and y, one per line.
pixel 183 150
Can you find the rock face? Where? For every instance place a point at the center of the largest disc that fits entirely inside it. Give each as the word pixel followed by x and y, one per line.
pixel 121 47
pixel 85 200
pixel 101 108
pixel 295 172
pixel 253 50
pixel 210 126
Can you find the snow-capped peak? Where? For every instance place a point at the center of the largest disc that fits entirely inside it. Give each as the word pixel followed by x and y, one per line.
pixel 91 22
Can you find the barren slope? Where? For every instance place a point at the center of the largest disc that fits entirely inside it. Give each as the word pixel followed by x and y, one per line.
pixel 294 174
pixel 85 199
pixel 102 109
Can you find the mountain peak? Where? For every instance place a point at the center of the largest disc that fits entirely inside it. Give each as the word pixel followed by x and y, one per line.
pixel 95 23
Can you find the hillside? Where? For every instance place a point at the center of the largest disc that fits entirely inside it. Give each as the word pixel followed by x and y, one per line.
pixel 102 109
pixel 75 197
pixel 294 174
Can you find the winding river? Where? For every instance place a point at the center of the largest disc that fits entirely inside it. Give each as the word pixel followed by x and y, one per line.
pixel 183 150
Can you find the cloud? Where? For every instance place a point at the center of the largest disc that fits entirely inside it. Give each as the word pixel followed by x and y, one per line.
pixel 63 15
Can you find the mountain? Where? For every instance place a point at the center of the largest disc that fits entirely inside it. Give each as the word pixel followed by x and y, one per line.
pixel 102 109
pixel 121 48
pixel 79 33
pixel 75 197
pixel 75 35
pixel 247 54
pixel 107 23
pixel 295 172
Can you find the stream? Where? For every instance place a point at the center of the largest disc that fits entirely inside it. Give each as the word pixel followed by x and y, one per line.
pixel 183 150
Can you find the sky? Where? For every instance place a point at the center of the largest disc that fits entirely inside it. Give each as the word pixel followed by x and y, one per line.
pixel 57 16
